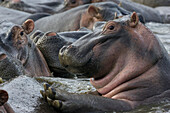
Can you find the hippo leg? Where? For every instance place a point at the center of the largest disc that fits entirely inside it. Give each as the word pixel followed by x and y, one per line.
pixel 70 103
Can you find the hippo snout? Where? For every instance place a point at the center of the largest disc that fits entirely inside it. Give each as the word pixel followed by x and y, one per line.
pixel 72 57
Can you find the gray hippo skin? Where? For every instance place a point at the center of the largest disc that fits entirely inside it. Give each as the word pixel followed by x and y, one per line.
pixel 153 3
pixel 147 12
pixel 129 66
pixel 83 16
pixel 50 43
pixel 30 7
pixel 150 14
pixel 18 54
pixel 18 17
pixel 11 15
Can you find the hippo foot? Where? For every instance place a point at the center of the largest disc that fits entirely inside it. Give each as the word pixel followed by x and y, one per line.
pixel 61 101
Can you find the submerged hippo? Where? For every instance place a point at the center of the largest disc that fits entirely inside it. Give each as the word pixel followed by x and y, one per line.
pixel 154 3
pixel 18 17
pixel 147 12
pixel 27 6
pixel 83 16
pixel 18 54
pixel 129 66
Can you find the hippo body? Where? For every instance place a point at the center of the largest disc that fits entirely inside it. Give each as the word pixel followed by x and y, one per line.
pixel 154 3
pixel 150 14
pixel 18 53
pixel 13 16
pixel 83 16
pixel 31 7
pixel 147 12
pixel 128 65
pixel 165 13
pixel 18 17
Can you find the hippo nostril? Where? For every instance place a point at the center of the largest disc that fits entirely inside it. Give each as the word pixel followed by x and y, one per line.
pixel 66 66
pixel 70 46
pixel 62 50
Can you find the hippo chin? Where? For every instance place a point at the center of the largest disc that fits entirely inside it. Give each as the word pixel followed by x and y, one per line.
pixel 128 64
pixel 18 54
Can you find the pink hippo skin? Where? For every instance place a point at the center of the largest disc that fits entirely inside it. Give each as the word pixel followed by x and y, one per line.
pixel 129 66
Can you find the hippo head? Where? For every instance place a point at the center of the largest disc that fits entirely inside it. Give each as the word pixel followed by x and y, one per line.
pixel 16 46
pixel 74 3
pixel 101 12
pixel 116 51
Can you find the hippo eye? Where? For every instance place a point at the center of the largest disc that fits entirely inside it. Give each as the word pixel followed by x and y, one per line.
pixel 21 33
pixel 111 27
pixel 73 1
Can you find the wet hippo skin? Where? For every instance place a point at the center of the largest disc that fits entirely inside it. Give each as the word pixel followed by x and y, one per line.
pixel 50 43
pixel 27 6
pixel 129 66
pixel 147 12
pixel 83 16
pixel 18 54
pixel 18 17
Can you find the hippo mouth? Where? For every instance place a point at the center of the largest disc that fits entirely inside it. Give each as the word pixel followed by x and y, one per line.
pixel 88 69
pixel 76 64
pixel 80 70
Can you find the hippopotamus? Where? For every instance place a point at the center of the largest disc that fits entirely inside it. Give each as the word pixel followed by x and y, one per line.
pixel 18 17
pixel 27 6
pixel 18 54
pixel 83 16
pixel 68 4
pixel 165 13
pixel 4 106
pixel 147 12
pixel 154 3
pixel 50 43
pixel 127 64
pixel 150 14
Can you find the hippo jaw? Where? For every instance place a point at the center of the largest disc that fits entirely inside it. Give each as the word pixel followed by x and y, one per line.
pixel 74 64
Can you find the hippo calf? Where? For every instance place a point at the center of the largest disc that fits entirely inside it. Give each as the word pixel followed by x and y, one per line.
pixel 18 54
pixel 128 65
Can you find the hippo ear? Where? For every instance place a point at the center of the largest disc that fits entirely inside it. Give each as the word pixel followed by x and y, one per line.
pixel 2 56
pixel 93 11
pixel 28 26
pixel 3 97
pixel 51 34
pixel 134 19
